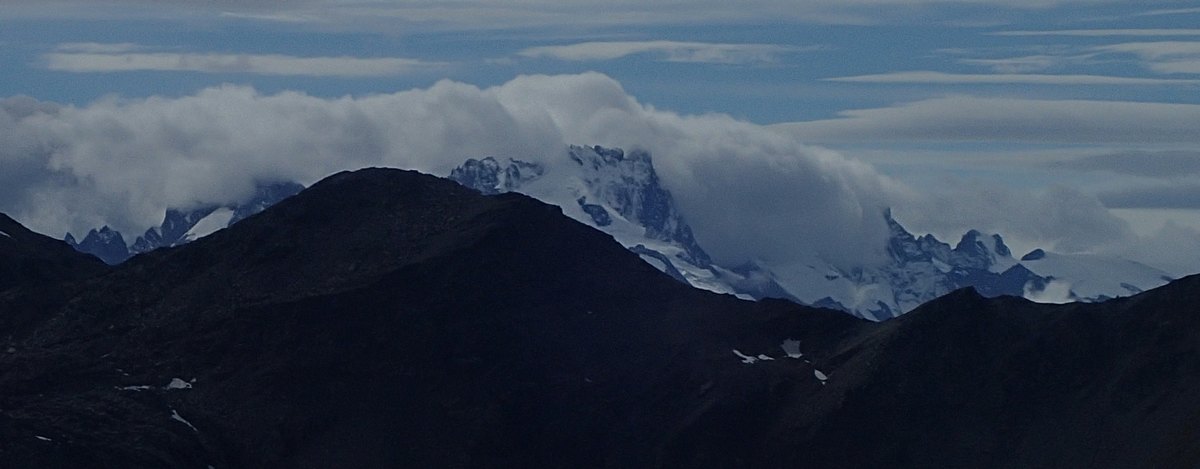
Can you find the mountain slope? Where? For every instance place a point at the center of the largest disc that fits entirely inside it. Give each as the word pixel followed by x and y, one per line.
pixel 384 318
pixel 969 381
pixel 29 258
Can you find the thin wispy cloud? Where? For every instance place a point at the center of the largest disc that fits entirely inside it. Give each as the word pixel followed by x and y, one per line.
pixel 1028 63
pixel 672 51
pixel 1102 32
pixel 488 14
pixel 980 119
pixel 1152 164
pixel 1174 195
pixel 97 47
pixel 1162 57
pixel 258 64
pixel 940 78
pixel 1171 11
pixel 272 17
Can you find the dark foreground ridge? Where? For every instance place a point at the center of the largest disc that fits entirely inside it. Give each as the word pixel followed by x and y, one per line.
pixel 384 318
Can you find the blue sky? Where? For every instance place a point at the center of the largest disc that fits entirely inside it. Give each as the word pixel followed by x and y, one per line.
pixel 803 68
pixel 1099 98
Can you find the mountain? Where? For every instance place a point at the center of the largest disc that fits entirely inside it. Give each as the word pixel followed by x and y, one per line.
pixel 384 318
pixel 619 193
pixel 180 226
pixel 27 258
pixel 37 274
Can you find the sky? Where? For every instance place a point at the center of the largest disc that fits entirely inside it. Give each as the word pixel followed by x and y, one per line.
pixel 1071 125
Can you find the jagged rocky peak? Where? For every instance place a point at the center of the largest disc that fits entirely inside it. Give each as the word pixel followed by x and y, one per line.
pixel 104 243
pixel 975 250
pixel 628 183
pixel 903 246
pixel 489 177
pixel 608 180
pixel 976 242
pixel 181 226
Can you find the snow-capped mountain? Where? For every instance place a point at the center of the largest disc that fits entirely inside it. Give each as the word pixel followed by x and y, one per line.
pixel 180 227
pixel 619 193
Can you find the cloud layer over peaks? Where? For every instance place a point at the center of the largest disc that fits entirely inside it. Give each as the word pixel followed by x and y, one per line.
pixel 749 192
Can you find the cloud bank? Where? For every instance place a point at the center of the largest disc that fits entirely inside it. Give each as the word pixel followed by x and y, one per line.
pixel 749 191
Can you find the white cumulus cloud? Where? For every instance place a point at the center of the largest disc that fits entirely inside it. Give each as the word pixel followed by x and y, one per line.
pixel 750 192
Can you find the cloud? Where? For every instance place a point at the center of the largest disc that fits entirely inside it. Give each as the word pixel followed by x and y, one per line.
pixel 97 47
pixel 485 14
pixel 1177 194
pixel 1029 63
pixel 1059 218
pixel 1170 11
pixel 979 119
pixel 927 77
pixel 1054 292
pixel 1102 32
pixel 1162 57
pixel 271 17
pixel 671 51
pixel 1155 164
pixel 96 59
pixel 1173 248
pixel 748 191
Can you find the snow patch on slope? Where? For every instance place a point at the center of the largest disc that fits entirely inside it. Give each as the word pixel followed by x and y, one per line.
pixel 216 220
pixel 791 347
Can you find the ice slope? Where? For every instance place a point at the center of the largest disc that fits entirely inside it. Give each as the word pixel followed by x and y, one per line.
pixel 1091 277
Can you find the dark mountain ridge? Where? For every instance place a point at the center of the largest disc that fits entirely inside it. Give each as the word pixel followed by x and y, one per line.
pixel 384 318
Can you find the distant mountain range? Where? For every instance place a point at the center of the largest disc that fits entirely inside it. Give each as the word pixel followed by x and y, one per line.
pixel 179 226
pixel 620 193
pixel 384 318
